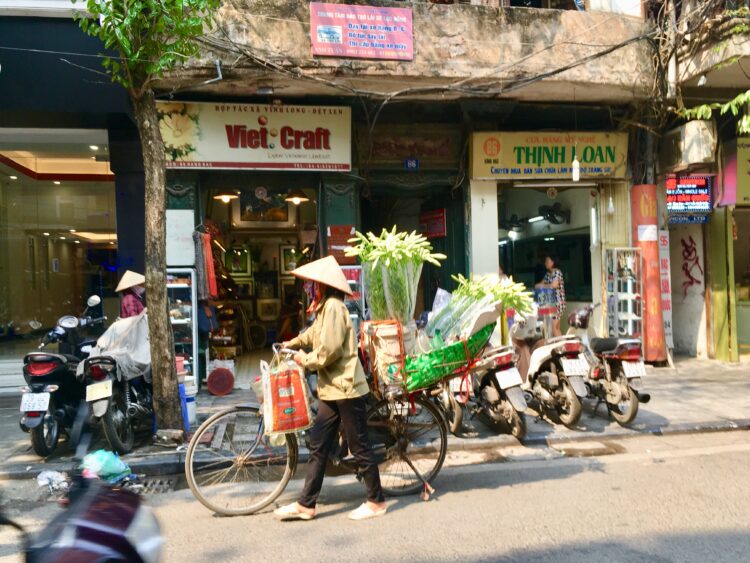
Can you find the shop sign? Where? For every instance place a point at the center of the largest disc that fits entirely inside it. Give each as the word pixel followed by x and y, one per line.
pixel 432 224
pixel 665 277
pixel 542 155
pixel 256 136
pixel 689 194
pixel 365 32
pixel 743 171
pixel 644 219
pixel 688 219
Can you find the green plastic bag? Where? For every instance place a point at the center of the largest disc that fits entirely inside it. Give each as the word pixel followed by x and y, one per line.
pixel 425 370
pixel 105 465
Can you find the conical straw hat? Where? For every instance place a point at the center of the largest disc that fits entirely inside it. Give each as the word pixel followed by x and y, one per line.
pixel 130 279
pixel 326 271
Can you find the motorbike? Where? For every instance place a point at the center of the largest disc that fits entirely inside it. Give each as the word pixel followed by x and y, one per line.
pixel 553 369
pixel 617 369
pixel 52 392
pixel 101 522
pixel 491 391
pixel 117 375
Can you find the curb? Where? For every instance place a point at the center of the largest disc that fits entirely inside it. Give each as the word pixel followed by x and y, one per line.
pixel 172 462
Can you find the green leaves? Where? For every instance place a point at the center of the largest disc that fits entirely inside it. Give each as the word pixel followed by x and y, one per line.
pixel 511 294
pixel 735 106
pixel 149 37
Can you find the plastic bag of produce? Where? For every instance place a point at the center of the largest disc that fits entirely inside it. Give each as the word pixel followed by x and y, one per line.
pixel 442 298
pixel 286 404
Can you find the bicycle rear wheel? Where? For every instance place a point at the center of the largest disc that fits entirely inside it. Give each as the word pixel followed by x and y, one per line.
pixel 407 438
pixel 232 468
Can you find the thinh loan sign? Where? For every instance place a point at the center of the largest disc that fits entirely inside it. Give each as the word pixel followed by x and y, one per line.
pixel 547 155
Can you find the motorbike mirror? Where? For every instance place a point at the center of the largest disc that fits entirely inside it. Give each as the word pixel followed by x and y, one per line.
pixel 93 301
pixel 35 325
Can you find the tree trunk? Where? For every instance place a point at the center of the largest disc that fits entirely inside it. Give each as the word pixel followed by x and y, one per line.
pixel 166 394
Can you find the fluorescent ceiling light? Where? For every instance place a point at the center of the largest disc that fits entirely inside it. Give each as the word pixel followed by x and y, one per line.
pixel 513 235
pixel 13 177
pixel 56 182
pixel 502 243
pixel 536 219
pixel 94 147
pixel 97 237
pixel 549 238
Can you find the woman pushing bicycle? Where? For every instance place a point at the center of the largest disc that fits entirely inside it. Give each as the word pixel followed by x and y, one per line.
pixel 342 389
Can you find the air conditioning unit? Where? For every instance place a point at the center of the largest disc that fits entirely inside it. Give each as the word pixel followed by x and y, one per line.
pixel 688 145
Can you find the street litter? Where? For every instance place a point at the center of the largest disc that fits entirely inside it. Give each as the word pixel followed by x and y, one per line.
pixel 53 480
pixel 105 465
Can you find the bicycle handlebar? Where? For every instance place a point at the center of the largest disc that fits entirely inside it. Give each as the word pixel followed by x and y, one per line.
pixel 278 349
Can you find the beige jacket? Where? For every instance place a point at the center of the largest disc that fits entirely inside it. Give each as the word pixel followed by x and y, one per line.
pixel 333 355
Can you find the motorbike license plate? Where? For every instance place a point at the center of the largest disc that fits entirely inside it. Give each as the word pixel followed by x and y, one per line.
pixel 579 366
pixel 100 390
pixel 34 402
pixel 508 378
pixel 634 369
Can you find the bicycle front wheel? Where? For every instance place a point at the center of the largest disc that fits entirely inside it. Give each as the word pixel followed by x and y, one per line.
pixel 409 440
pixel 232 468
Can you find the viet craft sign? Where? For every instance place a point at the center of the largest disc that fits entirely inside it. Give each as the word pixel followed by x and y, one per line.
pixel 256 136
pixel 688 199
pixel 366 32
pixel 547 155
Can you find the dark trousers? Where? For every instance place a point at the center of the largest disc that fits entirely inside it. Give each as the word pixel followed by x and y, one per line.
pixel 352 413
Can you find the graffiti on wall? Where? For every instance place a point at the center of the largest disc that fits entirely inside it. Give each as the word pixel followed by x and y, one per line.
pixel 691 266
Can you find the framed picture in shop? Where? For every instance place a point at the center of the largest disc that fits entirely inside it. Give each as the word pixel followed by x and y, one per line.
pixel 288 288
pixel 237 262
pixel 245 288
pixel 268 309
pixel 263 208
pixel 288 258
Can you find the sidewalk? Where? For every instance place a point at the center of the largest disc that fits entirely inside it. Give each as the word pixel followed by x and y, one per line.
pixel 696 396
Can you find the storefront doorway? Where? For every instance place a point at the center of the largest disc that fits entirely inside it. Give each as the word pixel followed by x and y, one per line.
pixel 742 277
pixel 58 242
pixel 550 220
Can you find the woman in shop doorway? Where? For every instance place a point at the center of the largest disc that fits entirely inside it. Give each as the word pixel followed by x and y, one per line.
pixel 341 389
pixel 553 279
pixel 133 289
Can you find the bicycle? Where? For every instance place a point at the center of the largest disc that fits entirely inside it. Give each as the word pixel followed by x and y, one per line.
pixel 234 469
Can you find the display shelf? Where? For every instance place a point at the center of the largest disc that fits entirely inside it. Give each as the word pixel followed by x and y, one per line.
pixel 183 299
pixel 623 287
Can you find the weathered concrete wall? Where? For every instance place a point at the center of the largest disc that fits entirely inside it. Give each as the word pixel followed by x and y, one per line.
pixel 478 45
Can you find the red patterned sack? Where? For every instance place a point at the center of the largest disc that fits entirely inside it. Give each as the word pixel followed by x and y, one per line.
pixel 286 404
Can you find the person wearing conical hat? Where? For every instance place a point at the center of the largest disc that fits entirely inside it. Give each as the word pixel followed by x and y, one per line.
pixel 132 288
pixel 342 388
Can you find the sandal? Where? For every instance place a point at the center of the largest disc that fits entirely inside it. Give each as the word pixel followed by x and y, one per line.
pixel 364 512
pixel 292 512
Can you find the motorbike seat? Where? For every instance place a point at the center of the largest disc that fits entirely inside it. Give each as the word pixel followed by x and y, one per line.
pixel 602 345
pixel 71 358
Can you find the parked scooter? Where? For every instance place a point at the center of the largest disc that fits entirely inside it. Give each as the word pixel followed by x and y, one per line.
pixel 118 381
pixel 491 391
pixel 52 393
pixel 101 522
pixel 553 370
pixel 616 371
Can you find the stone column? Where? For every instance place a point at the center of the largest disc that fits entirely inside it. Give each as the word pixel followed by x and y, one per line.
pixel 338 203
pixel 127 164
pixel 483 226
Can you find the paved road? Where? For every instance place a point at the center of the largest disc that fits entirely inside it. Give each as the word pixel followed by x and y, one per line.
pixel 678 498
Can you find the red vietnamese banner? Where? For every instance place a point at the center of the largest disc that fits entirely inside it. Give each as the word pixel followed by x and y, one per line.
pixel 645 224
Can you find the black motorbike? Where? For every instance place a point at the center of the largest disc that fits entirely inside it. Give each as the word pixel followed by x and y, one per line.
pixel 52 393
pixel 617 369
pixel 101 522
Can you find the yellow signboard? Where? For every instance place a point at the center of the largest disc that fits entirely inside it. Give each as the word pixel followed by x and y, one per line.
pixel 547 155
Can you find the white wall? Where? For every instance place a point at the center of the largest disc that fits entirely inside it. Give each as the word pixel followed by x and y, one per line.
pixel 483 226
pixel 688 291
pixel 625 7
